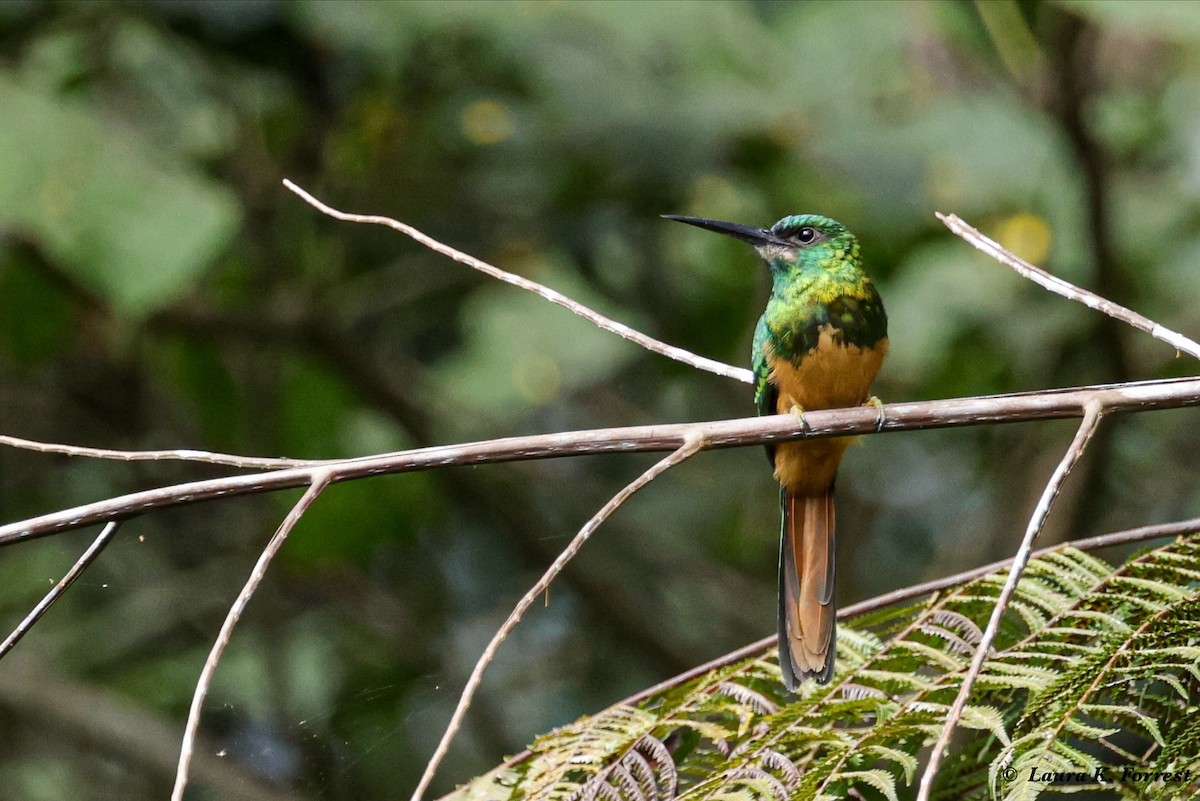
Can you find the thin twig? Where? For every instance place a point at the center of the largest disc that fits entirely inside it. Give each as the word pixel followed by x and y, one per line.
pixel 1091 418
pixel 56 592
pixel 177 454
pixel 320 480
pixel 1125 537
pixel 552 295
pixel 1046 405
pixel 689 448
pixel 1067 289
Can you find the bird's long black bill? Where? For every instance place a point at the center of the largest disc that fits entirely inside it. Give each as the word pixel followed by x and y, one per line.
pixel 746 233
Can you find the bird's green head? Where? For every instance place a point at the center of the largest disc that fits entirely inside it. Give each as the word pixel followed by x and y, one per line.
pixel 794 243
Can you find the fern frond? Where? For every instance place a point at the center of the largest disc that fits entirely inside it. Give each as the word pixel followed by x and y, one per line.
pixel 1096 671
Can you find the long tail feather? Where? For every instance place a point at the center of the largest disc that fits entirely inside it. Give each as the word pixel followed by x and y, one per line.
pixel 807 610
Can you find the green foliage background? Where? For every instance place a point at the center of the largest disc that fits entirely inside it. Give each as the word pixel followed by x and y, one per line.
pixel 158 288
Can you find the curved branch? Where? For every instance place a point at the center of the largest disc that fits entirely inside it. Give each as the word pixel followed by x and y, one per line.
pixel 1068 290
pixel 1091 419
pixel 319 482
pixel 552 295
pixel 58 590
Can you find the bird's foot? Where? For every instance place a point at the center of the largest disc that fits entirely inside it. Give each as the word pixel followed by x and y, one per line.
pixel 798 411
pixel 880 416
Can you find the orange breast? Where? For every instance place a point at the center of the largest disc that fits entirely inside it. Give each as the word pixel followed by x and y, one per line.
pixel 830 376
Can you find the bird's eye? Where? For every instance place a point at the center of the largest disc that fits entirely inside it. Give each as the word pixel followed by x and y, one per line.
pixel 806 235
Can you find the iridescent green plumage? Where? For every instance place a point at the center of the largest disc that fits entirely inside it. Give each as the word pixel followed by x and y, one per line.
pixel 818 345
pixel 814 286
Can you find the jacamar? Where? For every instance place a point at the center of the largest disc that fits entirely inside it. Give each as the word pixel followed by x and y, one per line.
pixel 818 345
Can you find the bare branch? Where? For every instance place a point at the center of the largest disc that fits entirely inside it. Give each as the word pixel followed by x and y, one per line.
pixel 178 454
pixel 1066 289
pixel 1091 418
pixel 691 446
pixel 1045 405
pixel 554 296
pixel 320 480
pixel 57 591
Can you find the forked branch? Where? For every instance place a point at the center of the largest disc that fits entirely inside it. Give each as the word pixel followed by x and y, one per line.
pixel 320 480
pixel 689 448
pixel 1018 407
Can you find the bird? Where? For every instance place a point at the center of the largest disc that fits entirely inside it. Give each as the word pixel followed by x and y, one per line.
pixel 818 345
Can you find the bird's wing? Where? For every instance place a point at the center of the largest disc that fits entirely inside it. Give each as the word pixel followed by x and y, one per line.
pixel 766 394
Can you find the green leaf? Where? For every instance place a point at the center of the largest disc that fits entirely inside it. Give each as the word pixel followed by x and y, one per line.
pixel 92 195
pixel 881 780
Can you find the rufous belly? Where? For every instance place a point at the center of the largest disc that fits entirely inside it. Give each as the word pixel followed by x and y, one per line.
pixel 830 376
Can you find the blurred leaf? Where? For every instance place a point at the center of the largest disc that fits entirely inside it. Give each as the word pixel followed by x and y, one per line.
pixel 43 779
pixel 350 521
pixel 517 353
pixel 313 406
pixel 128 228
pixel 1174 20
pixel 202 383
pixel 970 290
pixel 29 339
